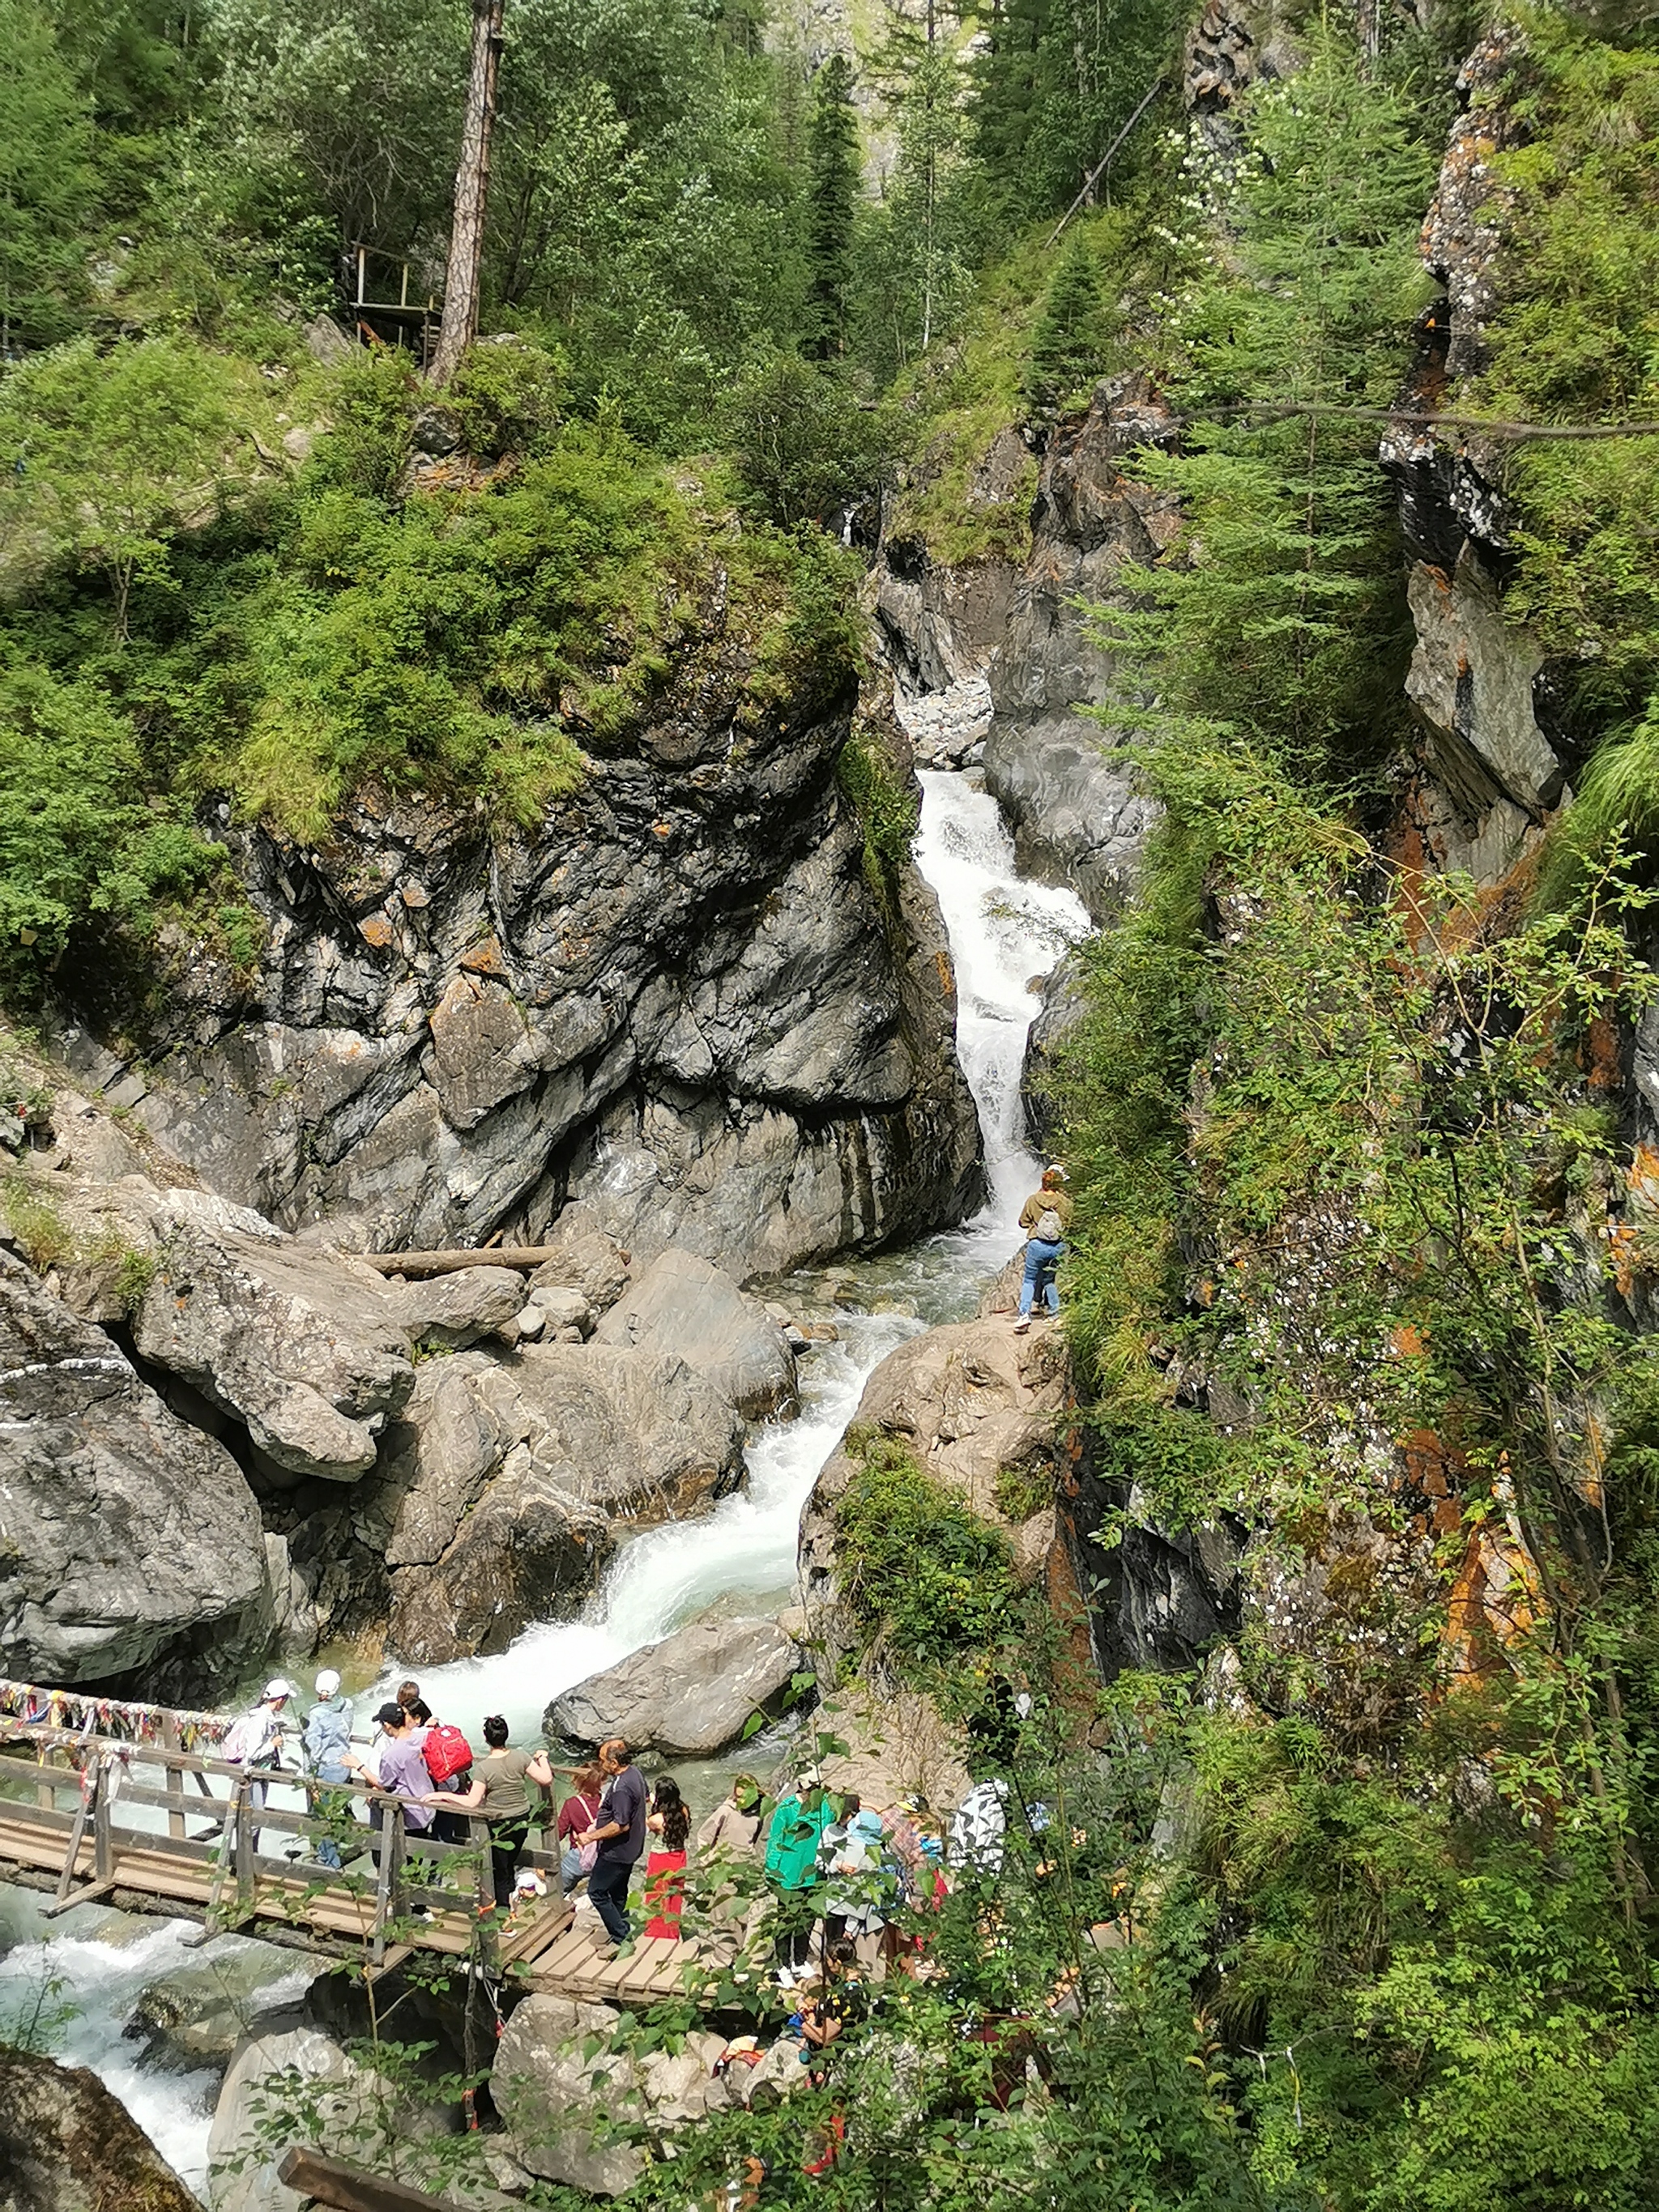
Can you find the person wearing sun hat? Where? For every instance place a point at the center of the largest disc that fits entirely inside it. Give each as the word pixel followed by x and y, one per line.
pixel 255 1740
pixel 327 1745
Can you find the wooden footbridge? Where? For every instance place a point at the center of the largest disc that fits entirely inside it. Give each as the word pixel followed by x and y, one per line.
pixel 146 1824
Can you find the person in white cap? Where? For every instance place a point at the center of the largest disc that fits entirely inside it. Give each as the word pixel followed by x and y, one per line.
pixel 255 1740
pixel 327 1743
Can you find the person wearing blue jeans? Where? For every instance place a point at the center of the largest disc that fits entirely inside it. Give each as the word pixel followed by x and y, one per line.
pixel 1045 1216
pixel 327 1741
pixel 619 1832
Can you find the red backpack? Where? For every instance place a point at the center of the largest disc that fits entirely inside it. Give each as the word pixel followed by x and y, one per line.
pixel 447 1752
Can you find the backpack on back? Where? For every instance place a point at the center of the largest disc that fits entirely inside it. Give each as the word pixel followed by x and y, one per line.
pixel 1050 1228
pixel 249 1738
pixel 447 1752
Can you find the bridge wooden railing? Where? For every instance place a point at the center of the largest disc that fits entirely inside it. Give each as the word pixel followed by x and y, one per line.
pixel 75 1802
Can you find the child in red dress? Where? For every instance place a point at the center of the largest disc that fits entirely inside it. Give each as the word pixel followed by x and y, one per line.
pixel 670 1823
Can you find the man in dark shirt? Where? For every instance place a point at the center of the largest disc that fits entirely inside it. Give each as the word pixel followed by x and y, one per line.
pixel 619 1831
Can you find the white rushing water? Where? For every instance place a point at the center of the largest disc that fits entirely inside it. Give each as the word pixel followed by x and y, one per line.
pixel 1006 934
pixel 73 1992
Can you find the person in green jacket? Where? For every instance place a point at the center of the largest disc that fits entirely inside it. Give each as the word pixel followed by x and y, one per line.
pixel 791 1866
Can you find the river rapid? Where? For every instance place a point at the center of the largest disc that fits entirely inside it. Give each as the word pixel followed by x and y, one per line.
pixel 79 1981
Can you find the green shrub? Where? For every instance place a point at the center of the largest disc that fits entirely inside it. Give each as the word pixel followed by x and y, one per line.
pixel 886 804
pixel 506 397
pixel 71 801
pixel 921 1571
pixel 803 444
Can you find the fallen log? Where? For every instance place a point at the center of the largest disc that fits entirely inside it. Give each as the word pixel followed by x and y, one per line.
pixel 447 1263
pixel 330 2181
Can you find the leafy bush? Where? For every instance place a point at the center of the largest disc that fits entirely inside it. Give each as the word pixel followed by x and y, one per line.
pixel 70 802
pixel 921 1571
pixel 886 806
pixel 803 444
pixel 506 397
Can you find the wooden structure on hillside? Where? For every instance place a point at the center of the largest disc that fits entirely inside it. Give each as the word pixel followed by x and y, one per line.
pixel 150 1825
pixel 385 320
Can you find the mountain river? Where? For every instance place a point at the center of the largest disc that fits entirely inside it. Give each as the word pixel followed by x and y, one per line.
pixel 79 1984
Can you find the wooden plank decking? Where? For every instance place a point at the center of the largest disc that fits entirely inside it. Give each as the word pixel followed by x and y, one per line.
pixel 79 1806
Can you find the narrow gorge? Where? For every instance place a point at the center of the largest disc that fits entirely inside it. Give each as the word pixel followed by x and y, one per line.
pixel 605 755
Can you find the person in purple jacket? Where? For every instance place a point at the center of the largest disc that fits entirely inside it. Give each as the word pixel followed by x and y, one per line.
pixel 402 1768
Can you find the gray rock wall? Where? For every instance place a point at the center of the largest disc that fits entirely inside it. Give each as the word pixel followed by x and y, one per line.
pixel 675 1012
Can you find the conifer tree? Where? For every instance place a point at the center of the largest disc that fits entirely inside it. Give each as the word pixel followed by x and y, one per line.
pixel 832 197
pixel 1070 338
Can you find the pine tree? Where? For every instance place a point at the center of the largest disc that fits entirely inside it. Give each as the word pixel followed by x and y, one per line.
pixel 832 198
pixel 1070 338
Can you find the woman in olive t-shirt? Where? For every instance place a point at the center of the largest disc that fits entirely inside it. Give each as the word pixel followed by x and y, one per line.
pixel 498 1792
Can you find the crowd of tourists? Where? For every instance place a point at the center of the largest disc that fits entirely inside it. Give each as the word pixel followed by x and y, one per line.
pixel 834 1874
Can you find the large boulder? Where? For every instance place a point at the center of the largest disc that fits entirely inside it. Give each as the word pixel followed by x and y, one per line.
pixel 684 1305
pixel 557 2099
pixel 66 2145
pixel 199 2014
pixel 305 1348
pixel 297 2086
pixel 687 1697
pixel 458 1309
pixel 507 1483
pixel 126 1537
pixel 551 2095
pixel 590 1263
pixel 981 1410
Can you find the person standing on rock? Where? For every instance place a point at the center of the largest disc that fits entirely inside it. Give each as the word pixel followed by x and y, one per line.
pixel 1046 1216
pixel 327 1743
pixel 619 1831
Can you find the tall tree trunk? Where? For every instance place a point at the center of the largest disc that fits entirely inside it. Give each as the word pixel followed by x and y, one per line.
pixel 466 234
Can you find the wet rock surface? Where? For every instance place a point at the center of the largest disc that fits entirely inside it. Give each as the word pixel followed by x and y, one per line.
pixel 66 2145
pixel 688 1696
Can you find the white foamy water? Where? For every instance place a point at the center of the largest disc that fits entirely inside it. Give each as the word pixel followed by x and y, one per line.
pixel 1005 935
pixel 75 1993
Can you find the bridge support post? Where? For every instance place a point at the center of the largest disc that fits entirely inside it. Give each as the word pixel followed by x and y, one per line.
pixel 103 1858
pixel 389 1878
pixel 175 1780
pixel 247 1876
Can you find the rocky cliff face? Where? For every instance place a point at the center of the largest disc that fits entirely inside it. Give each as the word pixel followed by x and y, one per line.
pixel 995 664
pixel 1490 770
pixel 675 1012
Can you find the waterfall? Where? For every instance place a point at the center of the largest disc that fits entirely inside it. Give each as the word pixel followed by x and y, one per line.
pixel 1004 935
